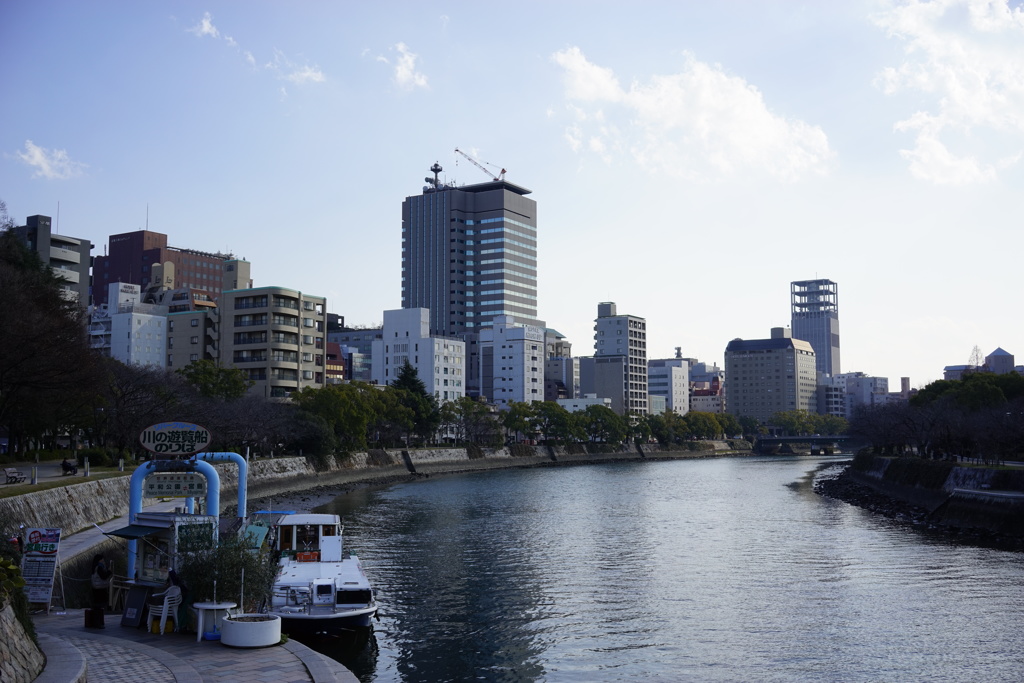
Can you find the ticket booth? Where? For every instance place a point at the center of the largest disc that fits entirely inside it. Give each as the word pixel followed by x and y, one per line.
pixel 159 535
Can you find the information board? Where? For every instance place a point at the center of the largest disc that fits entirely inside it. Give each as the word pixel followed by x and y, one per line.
pixel 135 605
pixel 175 485
pixel 39 563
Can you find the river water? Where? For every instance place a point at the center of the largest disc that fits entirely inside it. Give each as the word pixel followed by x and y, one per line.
pixel 727 569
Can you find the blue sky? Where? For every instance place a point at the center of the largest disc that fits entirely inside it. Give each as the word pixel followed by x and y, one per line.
pixel 689 159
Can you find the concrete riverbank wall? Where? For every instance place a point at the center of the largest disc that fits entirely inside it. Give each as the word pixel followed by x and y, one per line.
pixel 79 506
pixel 988 498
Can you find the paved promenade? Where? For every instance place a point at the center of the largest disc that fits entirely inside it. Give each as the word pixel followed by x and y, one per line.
pixel 123 654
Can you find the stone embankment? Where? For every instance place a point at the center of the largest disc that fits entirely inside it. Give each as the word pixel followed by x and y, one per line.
pixel 20 659
pixel 980 504
pixel 79 506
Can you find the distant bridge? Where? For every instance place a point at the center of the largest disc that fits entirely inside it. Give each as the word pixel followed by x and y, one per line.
pixel 816 442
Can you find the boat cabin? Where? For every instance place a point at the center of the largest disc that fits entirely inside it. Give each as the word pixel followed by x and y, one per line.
pixel 310 537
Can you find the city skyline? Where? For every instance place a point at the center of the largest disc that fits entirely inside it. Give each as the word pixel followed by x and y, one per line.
pixel 688 161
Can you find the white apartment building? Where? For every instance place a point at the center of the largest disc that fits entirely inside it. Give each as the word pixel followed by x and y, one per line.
pixel 861 389
pixel 618 369
pixel 578 405
pixel 669 378
pixel 511 362
pixel 440 362
pixel 128 330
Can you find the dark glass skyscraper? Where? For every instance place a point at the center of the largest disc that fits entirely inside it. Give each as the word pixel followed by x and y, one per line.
pixel 469 254
pixel 815 311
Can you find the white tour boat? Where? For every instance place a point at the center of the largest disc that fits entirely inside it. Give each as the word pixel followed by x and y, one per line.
pixel 318 591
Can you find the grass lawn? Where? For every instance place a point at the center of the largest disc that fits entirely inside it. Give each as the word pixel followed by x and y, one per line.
pixel 10 490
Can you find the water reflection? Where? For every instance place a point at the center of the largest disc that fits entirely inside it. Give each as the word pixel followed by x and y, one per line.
pixel 727 569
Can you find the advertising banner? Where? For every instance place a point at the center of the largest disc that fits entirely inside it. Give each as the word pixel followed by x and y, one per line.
pixel 39 563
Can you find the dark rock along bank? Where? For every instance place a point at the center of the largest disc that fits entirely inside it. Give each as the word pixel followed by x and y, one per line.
pixel 835 481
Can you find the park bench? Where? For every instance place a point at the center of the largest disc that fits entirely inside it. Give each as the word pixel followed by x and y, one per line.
pixel 14 476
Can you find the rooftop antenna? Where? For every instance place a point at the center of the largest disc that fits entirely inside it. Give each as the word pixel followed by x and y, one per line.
pixel 56 224
pixel 435 169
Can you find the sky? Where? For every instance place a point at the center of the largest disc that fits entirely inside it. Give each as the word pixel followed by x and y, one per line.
pixel 689 159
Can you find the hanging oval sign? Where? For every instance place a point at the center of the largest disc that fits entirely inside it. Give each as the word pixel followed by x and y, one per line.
pixel 175 438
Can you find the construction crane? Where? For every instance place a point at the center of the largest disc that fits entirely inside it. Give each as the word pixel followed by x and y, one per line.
pixel 500 176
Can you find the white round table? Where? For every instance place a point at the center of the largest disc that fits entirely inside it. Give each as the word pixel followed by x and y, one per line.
pixel 202 608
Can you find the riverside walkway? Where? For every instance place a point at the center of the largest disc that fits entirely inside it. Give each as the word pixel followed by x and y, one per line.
pixel 118 653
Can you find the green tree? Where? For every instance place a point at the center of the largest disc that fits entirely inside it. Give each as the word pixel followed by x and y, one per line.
pixel 518 419
pixel 212 381
pixel 730 424
pixel 794 422
pixel 345 409
pixel 47 371
pixel 639 428
pixel 476 422
pixel 750 426
pixel 556 423
pixel 603 425
pixel 413 395
pixel 702 425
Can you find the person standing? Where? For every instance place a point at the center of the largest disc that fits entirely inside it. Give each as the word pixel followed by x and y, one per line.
pixel 100 582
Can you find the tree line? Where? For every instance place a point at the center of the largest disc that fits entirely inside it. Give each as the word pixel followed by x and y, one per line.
pixel 979 416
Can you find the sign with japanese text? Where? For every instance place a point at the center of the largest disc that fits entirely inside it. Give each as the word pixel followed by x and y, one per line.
pixel 39 563
pixel 175 438
pixel 175 485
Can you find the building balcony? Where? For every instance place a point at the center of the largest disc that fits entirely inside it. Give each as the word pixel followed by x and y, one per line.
pixel 67 275
pixel 58 254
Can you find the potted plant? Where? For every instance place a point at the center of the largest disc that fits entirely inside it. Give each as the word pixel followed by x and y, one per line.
pixel 235 570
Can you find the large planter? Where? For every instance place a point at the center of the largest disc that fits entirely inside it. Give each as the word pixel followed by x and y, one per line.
pixel 250 630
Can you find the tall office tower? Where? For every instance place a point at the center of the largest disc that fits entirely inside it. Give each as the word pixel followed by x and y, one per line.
pixel 68 256
pixel 618 369
pixel 768 376
pixel 815 309
pixel 469 254
pixel 133 255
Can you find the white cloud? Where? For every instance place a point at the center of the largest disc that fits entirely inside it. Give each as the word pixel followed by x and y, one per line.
pixel 288 70
pixel 698 123
pixel 967 57
pixel 52 164
pixel 406 74
pixel 586 81
pixel 306 74
pixel 205 27
pixel 249 58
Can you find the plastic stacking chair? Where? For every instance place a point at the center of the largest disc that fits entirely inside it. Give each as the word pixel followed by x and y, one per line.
pixel 172 598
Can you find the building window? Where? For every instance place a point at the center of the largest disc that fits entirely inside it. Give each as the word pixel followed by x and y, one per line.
pixel 193 357
pixel 195 322
pixel 193 340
